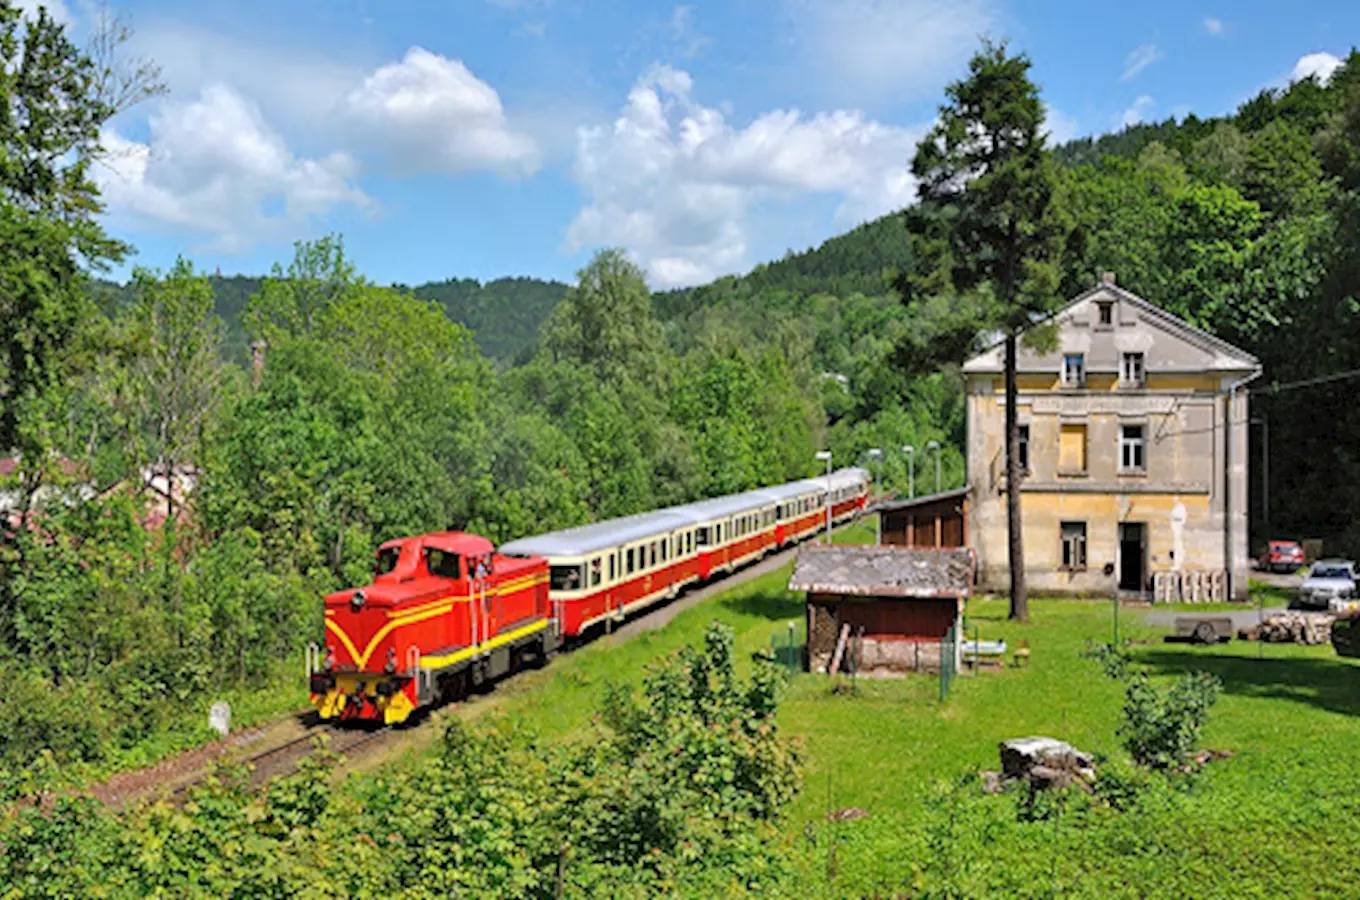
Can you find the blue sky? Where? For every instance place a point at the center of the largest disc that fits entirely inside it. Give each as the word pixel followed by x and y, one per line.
pixel 480 138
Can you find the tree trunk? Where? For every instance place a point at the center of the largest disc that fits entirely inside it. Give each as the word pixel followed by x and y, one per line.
pixel 1014 474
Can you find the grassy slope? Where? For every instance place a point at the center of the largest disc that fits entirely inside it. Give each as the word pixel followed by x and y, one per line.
pixel 1269 822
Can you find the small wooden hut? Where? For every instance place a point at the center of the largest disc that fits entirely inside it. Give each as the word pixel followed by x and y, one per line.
pixel 881 609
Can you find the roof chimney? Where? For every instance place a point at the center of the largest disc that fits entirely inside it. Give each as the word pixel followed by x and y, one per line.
pixel 1107 278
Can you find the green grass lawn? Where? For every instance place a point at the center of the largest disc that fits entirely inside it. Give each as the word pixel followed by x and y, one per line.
pixel 1273 820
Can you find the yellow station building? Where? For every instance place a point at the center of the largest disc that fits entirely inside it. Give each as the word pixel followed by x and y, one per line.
pixel 1134 444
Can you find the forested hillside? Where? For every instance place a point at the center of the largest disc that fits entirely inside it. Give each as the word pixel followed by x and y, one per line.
pixel 504 315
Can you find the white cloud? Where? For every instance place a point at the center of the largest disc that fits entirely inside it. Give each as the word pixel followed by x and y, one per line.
pixel 1321 65
pixel 1139 111
pixel 214 166
pixel 1138 60
pixel 1213 26
pixel 1061 128
pixel 675 183
pixel 898 48
pixel 430 113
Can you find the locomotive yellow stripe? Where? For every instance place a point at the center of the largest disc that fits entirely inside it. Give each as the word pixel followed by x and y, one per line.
pixel 437 607
pixel 448 659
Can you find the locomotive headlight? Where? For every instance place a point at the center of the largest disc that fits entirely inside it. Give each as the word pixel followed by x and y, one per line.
pixel 356 601
pixel 391 665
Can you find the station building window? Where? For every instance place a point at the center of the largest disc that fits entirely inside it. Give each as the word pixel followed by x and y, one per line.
pixel 1074 545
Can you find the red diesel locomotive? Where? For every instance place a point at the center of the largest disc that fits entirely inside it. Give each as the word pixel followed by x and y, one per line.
pixel 446 612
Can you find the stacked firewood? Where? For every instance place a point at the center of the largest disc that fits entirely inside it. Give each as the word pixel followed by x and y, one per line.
pixel 1291 628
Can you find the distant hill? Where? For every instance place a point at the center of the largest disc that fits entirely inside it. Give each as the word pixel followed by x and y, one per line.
pixel 864 260
pixel 504 314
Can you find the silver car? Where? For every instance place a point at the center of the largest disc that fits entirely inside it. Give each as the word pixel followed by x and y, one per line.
pixel 1330 585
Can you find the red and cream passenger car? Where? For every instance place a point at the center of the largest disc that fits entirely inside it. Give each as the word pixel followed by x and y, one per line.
pixel 607 570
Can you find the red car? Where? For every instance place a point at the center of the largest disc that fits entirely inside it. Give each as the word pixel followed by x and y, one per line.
pixel 1282 556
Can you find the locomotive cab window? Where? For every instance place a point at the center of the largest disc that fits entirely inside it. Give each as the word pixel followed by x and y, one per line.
pixel 596 569
pixel 441 563
pixel 564 578
pixel 387 560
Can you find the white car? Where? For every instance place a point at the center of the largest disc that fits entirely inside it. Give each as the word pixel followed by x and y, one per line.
pixel 1330 585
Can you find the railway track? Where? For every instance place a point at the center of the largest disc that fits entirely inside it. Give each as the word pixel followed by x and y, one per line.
pixel 282 759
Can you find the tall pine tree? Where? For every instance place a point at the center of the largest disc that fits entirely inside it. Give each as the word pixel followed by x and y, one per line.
pixel 990 227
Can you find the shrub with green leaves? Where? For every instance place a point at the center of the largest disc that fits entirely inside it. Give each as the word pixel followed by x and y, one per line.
pixel 677 791
pixel 1162 728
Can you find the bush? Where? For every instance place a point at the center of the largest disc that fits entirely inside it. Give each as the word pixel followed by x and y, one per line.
pixel 675 795
pixel 1113 660
pixel 1160 729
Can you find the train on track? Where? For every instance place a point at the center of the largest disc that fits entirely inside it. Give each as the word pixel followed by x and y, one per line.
pixel 447 611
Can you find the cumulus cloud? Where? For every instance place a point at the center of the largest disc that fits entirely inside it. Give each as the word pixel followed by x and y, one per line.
pixel 676 183
pixel 430 113
pixel 1138 60
pixel 1213 26
pixel 1319 65
pixel 893 47
pixel 1139 111
pixel 214 166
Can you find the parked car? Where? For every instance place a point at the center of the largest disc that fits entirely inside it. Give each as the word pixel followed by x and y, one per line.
pixel 1282 556
pixel 1330 585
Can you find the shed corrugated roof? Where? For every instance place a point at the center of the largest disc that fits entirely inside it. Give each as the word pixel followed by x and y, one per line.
pixel 924 499
pixel 883 571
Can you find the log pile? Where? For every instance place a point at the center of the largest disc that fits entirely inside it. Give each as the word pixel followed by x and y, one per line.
pixel 1291 628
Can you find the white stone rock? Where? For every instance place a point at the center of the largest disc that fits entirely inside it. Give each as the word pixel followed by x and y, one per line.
pixel 219 717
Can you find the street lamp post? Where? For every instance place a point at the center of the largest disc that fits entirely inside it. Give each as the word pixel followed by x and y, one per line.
pixel 911 469
pixel 877 456
pixel 935 445
pixel 826 455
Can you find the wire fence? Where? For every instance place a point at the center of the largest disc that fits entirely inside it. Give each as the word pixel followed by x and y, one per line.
pixel 948 660
pixel 787 650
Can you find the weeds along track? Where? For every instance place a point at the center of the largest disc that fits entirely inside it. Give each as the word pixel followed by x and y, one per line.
pixel 283 758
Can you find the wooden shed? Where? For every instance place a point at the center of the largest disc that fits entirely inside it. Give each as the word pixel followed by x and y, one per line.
pixel 935 520
pixel 894 605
